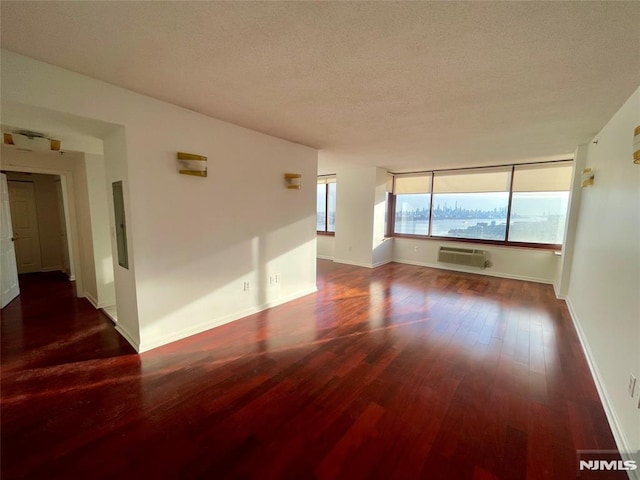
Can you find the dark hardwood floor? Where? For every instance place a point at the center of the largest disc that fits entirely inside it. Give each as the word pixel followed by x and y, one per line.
pixel 400 372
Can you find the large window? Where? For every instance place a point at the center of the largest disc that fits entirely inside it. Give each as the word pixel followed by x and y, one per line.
pixel 326 201
pixel 521 204
pixel 471 203
pixel 539 203
pixel 412 204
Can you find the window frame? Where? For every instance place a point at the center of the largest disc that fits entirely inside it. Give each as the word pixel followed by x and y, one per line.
pixel 391 214
pixel 326 184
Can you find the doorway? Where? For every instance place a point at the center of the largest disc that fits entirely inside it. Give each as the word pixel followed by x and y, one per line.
pixel 39 223
pixel 76 210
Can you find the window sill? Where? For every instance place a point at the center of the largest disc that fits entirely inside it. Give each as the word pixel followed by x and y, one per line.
pixel 497 243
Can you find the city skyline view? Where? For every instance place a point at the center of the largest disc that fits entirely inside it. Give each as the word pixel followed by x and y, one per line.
pixel 536 217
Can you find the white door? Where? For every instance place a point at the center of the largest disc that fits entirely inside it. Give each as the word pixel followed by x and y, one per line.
pixel 25 226
pixel 10 288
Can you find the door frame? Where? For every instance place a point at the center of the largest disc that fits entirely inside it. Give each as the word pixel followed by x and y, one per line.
pixel 69 197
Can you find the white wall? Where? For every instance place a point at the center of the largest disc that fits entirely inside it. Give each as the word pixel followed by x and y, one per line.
pixel 604 288
pixel 193 241
pixel 530 264
pixel 563 271
pixel 354 215
pixel 85 234
pixel 116 166
pixel 326 244
pixel 382 246
pixel 360 217
pixel 96 179
pixel 510 262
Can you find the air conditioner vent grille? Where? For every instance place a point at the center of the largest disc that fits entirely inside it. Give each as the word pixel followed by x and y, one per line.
pixel 463 256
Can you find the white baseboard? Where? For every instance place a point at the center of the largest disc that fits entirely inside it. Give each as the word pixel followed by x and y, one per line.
pixel 108 314
pixel 618 432
pixel 52 269
pixel 355 264
pixel 383 262
pixel 128 337
pixel 97 305
pixel 556 289
pixel 365 265
pixel 216 322
pixel 559 296
pixel 477 271
pixel 324 257
pixel 92 300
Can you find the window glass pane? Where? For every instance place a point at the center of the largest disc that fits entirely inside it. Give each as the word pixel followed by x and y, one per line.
pixel 412 214
pixel 331 220
pixel 322 205
pixel 538 217
pixel 470 215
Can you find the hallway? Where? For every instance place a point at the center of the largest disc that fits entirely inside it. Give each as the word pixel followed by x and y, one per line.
pixel 47 325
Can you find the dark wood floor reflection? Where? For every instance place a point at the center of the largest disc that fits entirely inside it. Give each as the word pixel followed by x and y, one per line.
pixel 399 372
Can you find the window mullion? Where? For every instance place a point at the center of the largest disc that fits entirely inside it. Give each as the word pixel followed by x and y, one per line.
pixel 326 207
pixel 506 230
pixel 430 207
pixel 391 215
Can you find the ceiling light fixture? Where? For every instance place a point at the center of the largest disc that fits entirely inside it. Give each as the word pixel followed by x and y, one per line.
pixel 31 141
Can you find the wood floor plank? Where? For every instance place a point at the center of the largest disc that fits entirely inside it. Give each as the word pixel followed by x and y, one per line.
pixel 398 372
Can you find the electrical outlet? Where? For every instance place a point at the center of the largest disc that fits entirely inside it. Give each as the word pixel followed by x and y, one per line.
pixel 245 286
pixel 632 385
pixel 271 280
pixel 277 278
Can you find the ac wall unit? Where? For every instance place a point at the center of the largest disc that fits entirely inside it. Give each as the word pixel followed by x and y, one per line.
pixel 463 256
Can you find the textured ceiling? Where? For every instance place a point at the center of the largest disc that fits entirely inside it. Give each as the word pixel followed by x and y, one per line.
pixel 403 85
